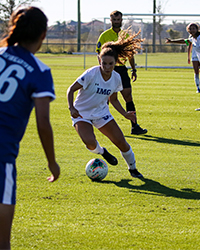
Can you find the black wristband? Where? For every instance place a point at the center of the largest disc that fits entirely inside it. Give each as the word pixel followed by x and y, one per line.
pixel 134 70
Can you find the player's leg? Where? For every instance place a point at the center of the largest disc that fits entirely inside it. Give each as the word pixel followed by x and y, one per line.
pixel 196 74
pixel 130 106
pixel 114 133
pixel 127 95
pixel 7 202
pixel 86 133
pixel 6 218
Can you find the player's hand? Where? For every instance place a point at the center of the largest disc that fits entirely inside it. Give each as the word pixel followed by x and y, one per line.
pixel 167 40
pixel 74 112
pixel 188 60
pixel 55 170
pixel 134 76
pixel 131 116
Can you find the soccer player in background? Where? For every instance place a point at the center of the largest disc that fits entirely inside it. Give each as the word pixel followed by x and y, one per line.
pixel 112 35
pixel 24 82
pixel 193 42
pixel 96 87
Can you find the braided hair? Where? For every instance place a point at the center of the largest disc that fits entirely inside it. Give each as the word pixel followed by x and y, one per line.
pixel 25 25
pixel 124 47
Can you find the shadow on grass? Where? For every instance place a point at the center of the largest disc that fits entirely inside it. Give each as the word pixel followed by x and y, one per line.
pixel 152 187
pixel 166 140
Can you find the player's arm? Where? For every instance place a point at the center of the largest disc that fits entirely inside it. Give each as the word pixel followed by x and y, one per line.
pixel 117 105
pixel 189 51
pixel 179 41
pixel 70 98
pixel 133 71
pixel 42 107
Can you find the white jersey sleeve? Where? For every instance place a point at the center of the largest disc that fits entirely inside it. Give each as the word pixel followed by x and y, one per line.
pixel 86 78
pixel 92 99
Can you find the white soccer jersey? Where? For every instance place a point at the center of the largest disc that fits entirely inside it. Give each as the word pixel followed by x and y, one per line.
pixel 91 100
pixel 195 47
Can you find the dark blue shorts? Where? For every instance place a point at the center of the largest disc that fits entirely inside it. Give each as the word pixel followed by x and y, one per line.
pixel 123 71
pixel 8 183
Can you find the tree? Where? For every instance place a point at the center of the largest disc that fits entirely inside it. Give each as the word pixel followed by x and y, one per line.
pixel 8 6
pixel 159 26
pixel 174 34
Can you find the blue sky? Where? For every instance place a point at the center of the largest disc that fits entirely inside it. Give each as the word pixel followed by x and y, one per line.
pixel 65 10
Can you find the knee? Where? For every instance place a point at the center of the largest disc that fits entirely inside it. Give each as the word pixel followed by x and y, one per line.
pixel 90 143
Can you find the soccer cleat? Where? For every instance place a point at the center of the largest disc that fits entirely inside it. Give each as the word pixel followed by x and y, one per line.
pixel 198 91
pixel 137 130
pixel 197 109
pixel 135 173
pixel 109 158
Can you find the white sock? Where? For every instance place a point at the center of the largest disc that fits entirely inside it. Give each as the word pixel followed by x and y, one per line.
pixel 196 79
pixel 97 150
pixel 129 157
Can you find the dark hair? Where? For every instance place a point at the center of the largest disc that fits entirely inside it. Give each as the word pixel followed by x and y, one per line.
pixel 124 47
pixel 115 13
pixel 192 24
pixel 25 25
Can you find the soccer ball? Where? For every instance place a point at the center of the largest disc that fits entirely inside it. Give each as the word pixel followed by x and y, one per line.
pixel 96 169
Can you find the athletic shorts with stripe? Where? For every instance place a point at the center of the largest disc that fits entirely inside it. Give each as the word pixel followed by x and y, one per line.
pixel 98 123
pixel 8 178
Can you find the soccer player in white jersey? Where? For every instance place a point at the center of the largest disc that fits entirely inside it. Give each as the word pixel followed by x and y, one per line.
pixel 25 82
pixel 112 34
pixel 193 42
pixel 95 87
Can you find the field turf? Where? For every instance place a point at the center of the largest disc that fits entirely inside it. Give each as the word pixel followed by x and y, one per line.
pixel 162 211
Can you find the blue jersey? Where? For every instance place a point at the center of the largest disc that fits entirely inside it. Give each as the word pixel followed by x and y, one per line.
pixel 23 77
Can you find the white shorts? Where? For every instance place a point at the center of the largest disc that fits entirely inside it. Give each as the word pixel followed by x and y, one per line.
pixel 97 123
pixel 194 56
pixel 7 183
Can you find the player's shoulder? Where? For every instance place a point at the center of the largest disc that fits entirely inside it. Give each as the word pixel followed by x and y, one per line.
pixel 116 75
pixel 106 33
pixel 106 36
pixel 2 50
pixel 117 81
pixel 43 67
pixel 20 55
pixel 93 70
pixel 190 38
pixel 198 36
pixel 88 76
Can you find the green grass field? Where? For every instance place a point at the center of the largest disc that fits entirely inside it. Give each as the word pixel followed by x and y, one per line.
pixel 159 212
